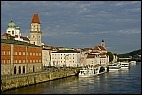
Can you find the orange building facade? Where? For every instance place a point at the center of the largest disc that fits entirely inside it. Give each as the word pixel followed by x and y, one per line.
pixel 20 57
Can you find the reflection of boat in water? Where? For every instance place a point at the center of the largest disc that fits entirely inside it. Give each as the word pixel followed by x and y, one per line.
pixel 114 66
pixel 92 71
pixel 125 65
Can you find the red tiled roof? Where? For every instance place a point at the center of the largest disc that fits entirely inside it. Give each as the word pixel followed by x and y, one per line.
pixel 16 36
pixel 103 56
pixel 90 55
pixel 102 48
pixel 103 53
pixel 24 38
pixel 5 34
pixel 35 19
pixel 96 48
pixel 87 49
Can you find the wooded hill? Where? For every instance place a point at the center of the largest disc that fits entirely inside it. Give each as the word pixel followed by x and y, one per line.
pixel 135 55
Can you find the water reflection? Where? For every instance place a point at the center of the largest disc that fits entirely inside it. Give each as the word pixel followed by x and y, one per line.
pixel 127 81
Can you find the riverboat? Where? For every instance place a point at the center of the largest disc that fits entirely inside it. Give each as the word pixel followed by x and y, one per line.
pixel 125 65
pixel 91 71
pixel 114 66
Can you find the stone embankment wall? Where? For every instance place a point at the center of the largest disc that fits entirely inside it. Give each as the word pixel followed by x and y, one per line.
pixel 11 82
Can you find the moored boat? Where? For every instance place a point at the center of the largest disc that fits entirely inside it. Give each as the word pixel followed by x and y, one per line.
pixel 92 71
pixel 133 62
pixel 125 65
pixel 114 66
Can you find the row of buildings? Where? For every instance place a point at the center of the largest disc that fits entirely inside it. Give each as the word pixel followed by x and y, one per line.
pixel 21 54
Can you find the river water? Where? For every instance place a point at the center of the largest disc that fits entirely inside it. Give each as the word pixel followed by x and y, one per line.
pixel 118 82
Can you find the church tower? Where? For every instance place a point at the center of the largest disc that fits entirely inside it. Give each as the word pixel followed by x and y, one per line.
pixel 35 31
pixel 103 43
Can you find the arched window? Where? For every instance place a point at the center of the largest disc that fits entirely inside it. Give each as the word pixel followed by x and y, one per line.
pixel 19 69
pixel 23 69
pixel 15 70
pixel 33 68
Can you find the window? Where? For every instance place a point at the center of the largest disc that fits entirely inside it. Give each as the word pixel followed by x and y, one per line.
pixel 3 52
pixel 23 53
pixel 19 53
pixel 23 61
pixel 19 61
pixel 15 53
pixel 39 54
pixel 12 32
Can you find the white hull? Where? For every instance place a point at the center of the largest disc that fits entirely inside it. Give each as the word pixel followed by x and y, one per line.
pixel 90 72
pixel 133 62
pixel 88 75
pixel 125 65
pixel 114 67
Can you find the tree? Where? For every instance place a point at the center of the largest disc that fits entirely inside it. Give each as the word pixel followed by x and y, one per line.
pixel 110 56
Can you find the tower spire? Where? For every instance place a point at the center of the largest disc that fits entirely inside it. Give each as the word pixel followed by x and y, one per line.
pixel 35 19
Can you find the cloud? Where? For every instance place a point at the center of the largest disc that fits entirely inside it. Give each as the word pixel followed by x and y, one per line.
pixel 129 31
pixel 80 23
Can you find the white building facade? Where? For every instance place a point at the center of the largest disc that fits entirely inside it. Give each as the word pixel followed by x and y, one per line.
pixel 69 58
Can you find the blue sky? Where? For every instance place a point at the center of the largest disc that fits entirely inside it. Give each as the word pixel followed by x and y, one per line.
pixel 79 24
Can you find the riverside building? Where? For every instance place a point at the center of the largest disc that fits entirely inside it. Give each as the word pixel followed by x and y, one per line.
pixel 20 54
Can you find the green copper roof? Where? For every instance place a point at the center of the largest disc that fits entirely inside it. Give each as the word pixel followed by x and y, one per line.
pixel 11 24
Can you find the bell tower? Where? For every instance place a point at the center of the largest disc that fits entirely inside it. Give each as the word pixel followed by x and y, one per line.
pixel 35 31
pixel 103 43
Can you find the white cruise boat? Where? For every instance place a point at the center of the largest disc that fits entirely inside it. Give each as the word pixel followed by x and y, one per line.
pixel 125 65
pixel 89 72
pixel 114 66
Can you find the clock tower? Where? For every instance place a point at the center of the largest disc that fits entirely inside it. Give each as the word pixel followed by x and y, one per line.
pixel 35 31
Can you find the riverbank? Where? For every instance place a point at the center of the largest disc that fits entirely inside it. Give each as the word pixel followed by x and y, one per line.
pixel 16 81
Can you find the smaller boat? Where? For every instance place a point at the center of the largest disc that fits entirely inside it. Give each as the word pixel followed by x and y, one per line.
pixel 114 66
pixel 133 62
pixel 125 65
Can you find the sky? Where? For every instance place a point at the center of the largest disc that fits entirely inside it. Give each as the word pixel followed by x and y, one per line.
pixel 79 24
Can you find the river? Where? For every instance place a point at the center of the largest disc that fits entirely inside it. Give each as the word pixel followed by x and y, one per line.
pixel 118 82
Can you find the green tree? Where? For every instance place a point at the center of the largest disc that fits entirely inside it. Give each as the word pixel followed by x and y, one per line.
pixel 110 56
